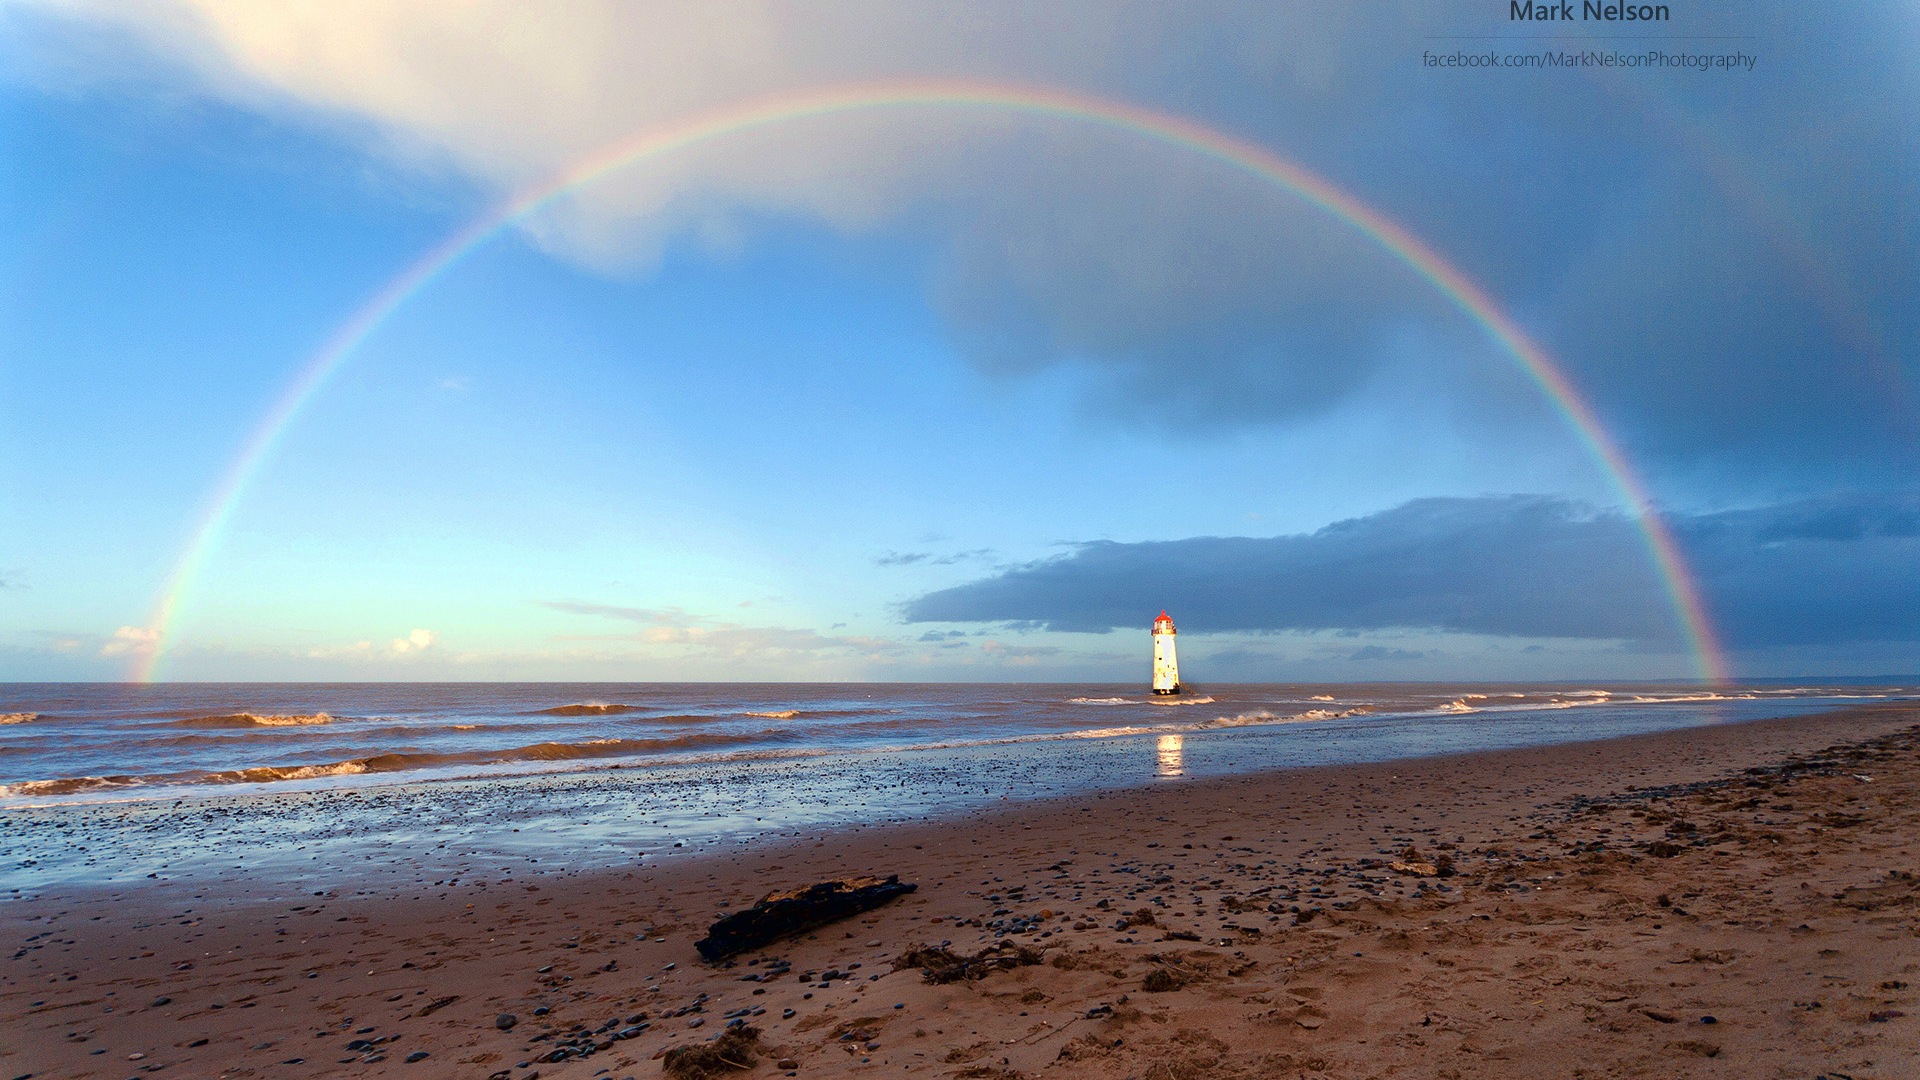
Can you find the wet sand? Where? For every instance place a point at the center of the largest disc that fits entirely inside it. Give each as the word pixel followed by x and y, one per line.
pixel 1644 906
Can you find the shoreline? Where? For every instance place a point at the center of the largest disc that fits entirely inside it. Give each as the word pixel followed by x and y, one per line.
pixel 1316 837
pixel 565 752
pixel 618 816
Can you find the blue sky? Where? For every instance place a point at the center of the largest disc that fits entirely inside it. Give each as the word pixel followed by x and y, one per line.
pixel 947 395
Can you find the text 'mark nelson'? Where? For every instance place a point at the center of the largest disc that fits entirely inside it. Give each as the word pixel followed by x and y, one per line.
pixel 1589 12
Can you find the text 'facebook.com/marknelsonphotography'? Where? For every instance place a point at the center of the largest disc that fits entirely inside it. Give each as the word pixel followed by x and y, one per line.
pixel 1573 59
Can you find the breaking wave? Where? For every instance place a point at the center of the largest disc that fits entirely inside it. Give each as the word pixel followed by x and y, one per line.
pixel 421 745
pixel 764 743
pixel 253 720
pixel 1707 695
pixel 391 763
pixel 1157 700
pixel 1256 718
pixel 1260 717
pixel 590 708
pixel 68 787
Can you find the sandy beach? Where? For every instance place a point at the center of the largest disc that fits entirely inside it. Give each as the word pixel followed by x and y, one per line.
pixel 1732 901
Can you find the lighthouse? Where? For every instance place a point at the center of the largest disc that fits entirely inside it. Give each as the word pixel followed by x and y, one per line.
pixel 1166 667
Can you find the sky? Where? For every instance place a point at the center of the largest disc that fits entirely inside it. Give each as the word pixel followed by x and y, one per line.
pixel 937 385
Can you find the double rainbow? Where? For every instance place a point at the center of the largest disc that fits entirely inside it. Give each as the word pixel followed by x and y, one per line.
pixel 1045 102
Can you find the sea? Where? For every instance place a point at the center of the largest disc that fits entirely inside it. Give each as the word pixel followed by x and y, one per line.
pixel 116 782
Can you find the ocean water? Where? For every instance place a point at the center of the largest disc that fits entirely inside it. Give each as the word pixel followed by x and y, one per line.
pixel 291 785
pixel 109 740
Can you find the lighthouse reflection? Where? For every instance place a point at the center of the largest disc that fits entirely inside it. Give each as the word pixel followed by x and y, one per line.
pixel 1170 756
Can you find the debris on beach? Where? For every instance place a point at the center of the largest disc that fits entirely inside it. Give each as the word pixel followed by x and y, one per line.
pixel 736 1050
pixel 1412 864
pixel 783 914
pixel 942 965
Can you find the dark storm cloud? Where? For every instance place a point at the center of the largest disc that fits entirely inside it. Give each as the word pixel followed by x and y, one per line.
pixel 1374 653
pixel 1824 571
pixel 1832 570
pixel 1521 565
pixel 1729 265
pixel 1197 298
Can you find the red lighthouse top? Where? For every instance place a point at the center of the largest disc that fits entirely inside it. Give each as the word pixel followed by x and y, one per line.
pixel 1164 623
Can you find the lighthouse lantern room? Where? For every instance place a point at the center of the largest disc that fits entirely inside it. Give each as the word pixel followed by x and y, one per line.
pixel 1166 667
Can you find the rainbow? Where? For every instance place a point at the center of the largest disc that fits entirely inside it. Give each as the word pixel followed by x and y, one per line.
pixel 1738 178
pixel 1037 101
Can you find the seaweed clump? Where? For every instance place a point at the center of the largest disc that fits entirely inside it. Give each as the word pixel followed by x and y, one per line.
pixel 941 965
pixel 734 1049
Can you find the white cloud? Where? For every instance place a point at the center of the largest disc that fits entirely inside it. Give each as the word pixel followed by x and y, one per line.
pixel 1017 654
pixel 359 650
pixel 1065 242
pixel 131 640
pixel 675 626
pixel 417 641
pixel 508 92
pixel 794 650
pixel 414 644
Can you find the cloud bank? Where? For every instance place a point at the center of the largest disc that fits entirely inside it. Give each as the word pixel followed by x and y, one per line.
pixel 1820 572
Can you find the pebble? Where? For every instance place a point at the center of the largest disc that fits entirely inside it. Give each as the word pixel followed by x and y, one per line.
pixel 505 1021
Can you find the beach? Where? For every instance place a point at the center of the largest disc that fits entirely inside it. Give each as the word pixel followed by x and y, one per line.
pixel 1734 900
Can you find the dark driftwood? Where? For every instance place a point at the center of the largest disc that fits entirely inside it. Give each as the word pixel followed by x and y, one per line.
pixel 783 914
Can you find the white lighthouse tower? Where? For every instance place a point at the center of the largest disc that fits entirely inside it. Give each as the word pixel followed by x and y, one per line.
pixel 1166 666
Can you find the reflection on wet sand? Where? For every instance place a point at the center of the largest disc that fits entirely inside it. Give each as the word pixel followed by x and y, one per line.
pixel 1170 756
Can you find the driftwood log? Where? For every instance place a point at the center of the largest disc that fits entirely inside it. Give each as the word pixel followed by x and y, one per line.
pixel 783 914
